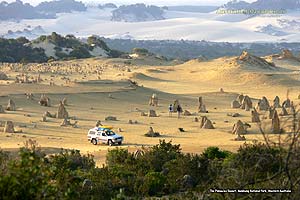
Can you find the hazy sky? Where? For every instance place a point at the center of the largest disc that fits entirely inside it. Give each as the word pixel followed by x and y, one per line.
pixel 156 2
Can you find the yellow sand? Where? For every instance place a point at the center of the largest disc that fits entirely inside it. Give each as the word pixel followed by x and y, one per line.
pixel 88 100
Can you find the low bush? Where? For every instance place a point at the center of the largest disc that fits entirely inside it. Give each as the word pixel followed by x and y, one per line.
pixel 159 171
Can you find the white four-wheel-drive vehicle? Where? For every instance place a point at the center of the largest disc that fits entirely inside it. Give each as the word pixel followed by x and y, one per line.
pixel 104 135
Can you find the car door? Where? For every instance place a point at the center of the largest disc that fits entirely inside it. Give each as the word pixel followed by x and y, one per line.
pixel 98 136
pixel 103 137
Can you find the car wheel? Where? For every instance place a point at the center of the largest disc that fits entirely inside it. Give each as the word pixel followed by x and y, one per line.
pixel 94 141
pixel 110 143
pixel 119 143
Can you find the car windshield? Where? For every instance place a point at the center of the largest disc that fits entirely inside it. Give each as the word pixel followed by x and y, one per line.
pixel 109 133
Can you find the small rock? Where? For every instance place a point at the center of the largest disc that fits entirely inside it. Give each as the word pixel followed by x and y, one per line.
pixel 236 115
pixel 240 138
pixel 187 113
pixel 181 129
pixel 152 113
pixel 151 133
pixel 110 118
pixel 143 114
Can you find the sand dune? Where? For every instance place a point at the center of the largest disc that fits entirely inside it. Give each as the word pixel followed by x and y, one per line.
pixel 143 77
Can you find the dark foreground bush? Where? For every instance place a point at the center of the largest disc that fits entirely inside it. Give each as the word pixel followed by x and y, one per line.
pixel 160 171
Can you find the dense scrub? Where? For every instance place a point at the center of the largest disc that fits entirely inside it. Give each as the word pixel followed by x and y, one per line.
pixel 66 48
pixel 160 171
pixel 19 50
pixel 186 50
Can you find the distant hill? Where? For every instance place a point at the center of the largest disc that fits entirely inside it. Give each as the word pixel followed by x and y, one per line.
pixel 196 9
pixel 107 5
pixel 248 60
pixel 19 50
pixel 186 50
pixel 137 13
pixel 60 6
pixel 236 4
pixel 276 4
pixel 28 32
pixel 18 10
pixel 55 47
pixel 69 47
pixel 264 5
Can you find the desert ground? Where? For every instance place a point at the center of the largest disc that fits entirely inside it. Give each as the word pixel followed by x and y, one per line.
pixel 100 87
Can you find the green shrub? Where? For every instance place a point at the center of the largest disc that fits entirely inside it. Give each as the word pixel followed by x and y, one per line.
pixel 17 50
pixel 161 170
pixel 94 40
pixel 215 153
pixel 159 154
pixel 118 157
pixel 153 184
pixel 140 51
pixel 72 160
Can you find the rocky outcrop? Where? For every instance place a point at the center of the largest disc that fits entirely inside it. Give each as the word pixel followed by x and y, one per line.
pixel 240 138
pixel 65 101
pixel 283 112
pixel 143 114
pixel 276 102
pixel 292 110
pixel 44 119
pixel 152 113
pixel 201 106
pixel 29 96
pixel 45 101
pixel 275 129
pixel 235 104
pixel 240 98
pixel 271 112
pixel 254 116
pixel 246 103
pixel 11 106
pixel 263 104
pixel 288 55
pixel 22 78
pixel 62 112
pixel 3 76
pixel 187 113
pixel 233 114
pixel 9 127
pixel 48 114
pixel 153 100
pixel 175 105
pixel 202 109
pixel 151 133
pixel 67 122
pixel 287 103
pixel 206 123
pixel 247 59
pixel 110 118
pixel 239 128
pixel 2 109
